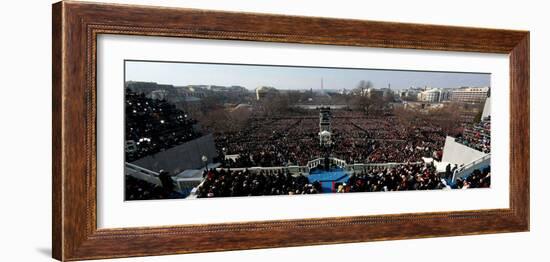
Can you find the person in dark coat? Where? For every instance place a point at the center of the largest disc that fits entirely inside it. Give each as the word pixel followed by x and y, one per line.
pixel 166 181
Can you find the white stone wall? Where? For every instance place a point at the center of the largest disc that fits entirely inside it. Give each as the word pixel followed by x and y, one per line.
pixel 459 154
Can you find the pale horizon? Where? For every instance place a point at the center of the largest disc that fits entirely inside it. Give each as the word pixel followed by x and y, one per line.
pixel 294 77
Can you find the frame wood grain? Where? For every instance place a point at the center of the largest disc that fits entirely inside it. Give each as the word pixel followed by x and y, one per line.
pixel 75 28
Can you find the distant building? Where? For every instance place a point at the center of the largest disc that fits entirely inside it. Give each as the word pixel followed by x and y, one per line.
pixel 265 91
pixel 191 90
pixel 430 95
pixel 445 95
pixel 434 95
pixel 410 94
pixel 237 89
pixel 344 91
pixel 147 87
pixel 376 93
pixel 215 88
pixel 160 94
pixel 233 89
pixel 470 94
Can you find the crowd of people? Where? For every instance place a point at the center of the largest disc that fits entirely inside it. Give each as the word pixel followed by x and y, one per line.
pixel 477 179
pixel 477 136
pixel 137 189
pixel 229 183
pixel 271 142
pixel 356 138
pixel 153 125
pixel 385 139
pixel 396 178
pixel 291 137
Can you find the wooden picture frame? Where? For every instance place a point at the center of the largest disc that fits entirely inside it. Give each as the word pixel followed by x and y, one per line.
pixel 76 26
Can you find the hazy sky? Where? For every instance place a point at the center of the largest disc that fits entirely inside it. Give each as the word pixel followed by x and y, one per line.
pixel 284 77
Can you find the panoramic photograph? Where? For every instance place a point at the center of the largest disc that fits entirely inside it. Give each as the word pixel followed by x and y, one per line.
pixel 210 130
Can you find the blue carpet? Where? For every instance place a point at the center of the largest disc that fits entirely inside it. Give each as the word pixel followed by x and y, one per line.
pixel 326 178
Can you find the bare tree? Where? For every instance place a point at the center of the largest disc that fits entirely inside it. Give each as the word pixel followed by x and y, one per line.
pixel 275 104
pixel 362 87
pixel 240 116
